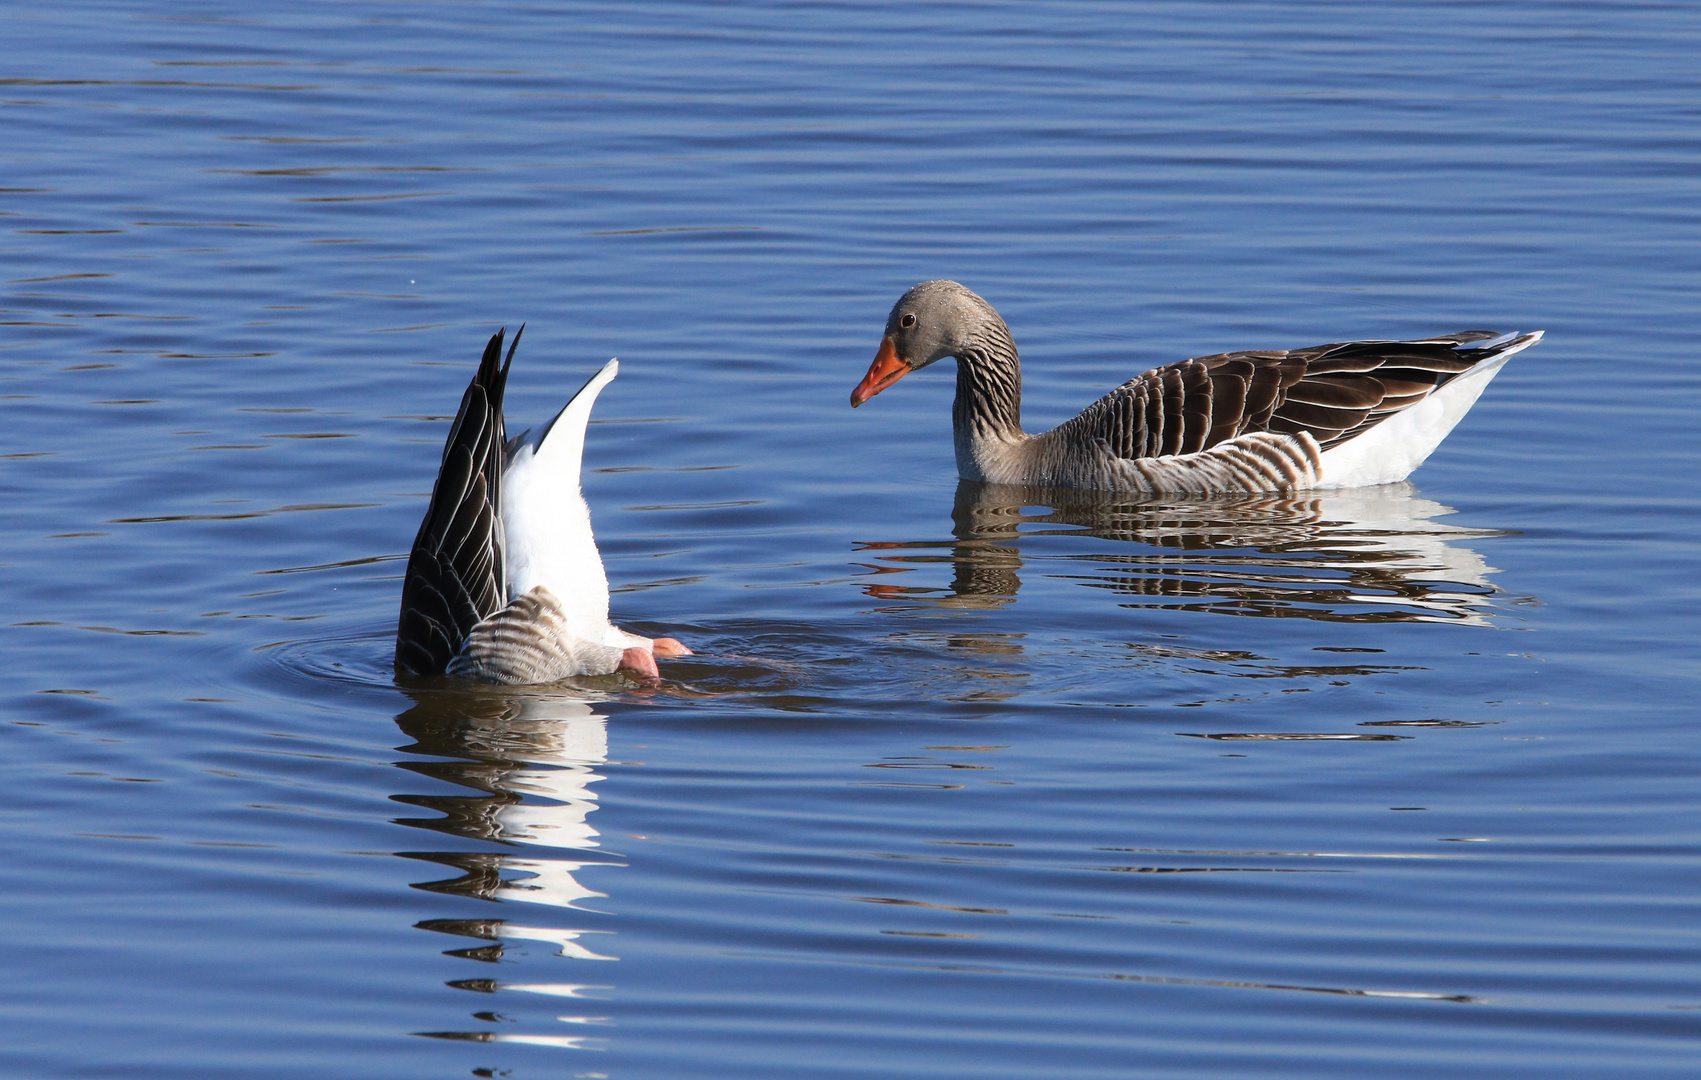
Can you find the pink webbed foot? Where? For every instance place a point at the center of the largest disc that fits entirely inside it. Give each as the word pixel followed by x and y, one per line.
pixel 668 647
pixel 639 662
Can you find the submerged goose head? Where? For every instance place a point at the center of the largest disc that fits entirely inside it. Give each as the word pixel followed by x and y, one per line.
pixel 931 321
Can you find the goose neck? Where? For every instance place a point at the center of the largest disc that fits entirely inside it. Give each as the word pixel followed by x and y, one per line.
pixel 986 419
pixel 989 388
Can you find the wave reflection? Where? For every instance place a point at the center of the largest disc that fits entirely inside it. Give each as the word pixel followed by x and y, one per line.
pixel 1366 555
pixel 529 758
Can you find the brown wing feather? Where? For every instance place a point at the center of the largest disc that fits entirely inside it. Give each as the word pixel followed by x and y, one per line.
pixel 1230 386
pixel 1334 392
pixel 455 572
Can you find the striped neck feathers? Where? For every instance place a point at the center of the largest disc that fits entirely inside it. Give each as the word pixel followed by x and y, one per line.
pixel 989 385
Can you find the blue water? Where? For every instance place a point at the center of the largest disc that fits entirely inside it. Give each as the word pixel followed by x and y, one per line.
pixel 961 781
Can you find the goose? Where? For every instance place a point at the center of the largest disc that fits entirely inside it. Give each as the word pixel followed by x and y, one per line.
pixel 1350 414
pixel 504 583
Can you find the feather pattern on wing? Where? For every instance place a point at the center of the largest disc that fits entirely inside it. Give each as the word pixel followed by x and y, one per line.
pixel 455 576
pixel 1332 392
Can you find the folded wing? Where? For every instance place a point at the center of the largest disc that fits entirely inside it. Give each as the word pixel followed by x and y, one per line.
pixel 1334 392
pixel 456 576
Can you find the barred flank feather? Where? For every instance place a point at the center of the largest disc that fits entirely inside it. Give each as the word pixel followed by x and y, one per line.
pixel 529 641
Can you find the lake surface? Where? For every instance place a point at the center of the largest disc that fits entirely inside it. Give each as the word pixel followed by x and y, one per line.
pixel 962 781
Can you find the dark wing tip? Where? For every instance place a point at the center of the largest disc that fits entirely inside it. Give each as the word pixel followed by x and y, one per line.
pixel 458 550
pixel 507 363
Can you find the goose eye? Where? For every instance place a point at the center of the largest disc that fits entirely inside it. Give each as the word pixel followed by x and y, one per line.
pixel 908 320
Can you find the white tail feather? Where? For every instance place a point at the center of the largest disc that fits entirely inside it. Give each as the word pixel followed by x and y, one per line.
pixel 560 446
pixel 547 523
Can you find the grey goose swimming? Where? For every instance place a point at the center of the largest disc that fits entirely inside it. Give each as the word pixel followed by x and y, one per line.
pixel 1331 416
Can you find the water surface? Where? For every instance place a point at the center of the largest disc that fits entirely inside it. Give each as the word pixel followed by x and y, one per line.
pixel 963 780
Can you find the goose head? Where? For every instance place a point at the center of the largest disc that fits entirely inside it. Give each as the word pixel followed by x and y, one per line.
pixel 931 321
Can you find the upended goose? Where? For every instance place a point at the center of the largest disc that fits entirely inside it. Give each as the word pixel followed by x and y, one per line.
pixel 504 583
pixel 1331 416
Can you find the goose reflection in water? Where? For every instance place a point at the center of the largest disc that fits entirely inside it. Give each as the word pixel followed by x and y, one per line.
pixel 1360 555
pixel 530 758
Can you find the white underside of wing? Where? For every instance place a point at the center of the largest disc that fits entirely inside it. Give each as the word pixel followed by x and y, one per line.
pixel 548 524
pixel 1388 452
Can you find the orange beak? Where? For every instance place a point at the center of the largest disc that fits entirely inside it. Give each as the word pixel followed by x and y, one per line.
pixel 886 370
